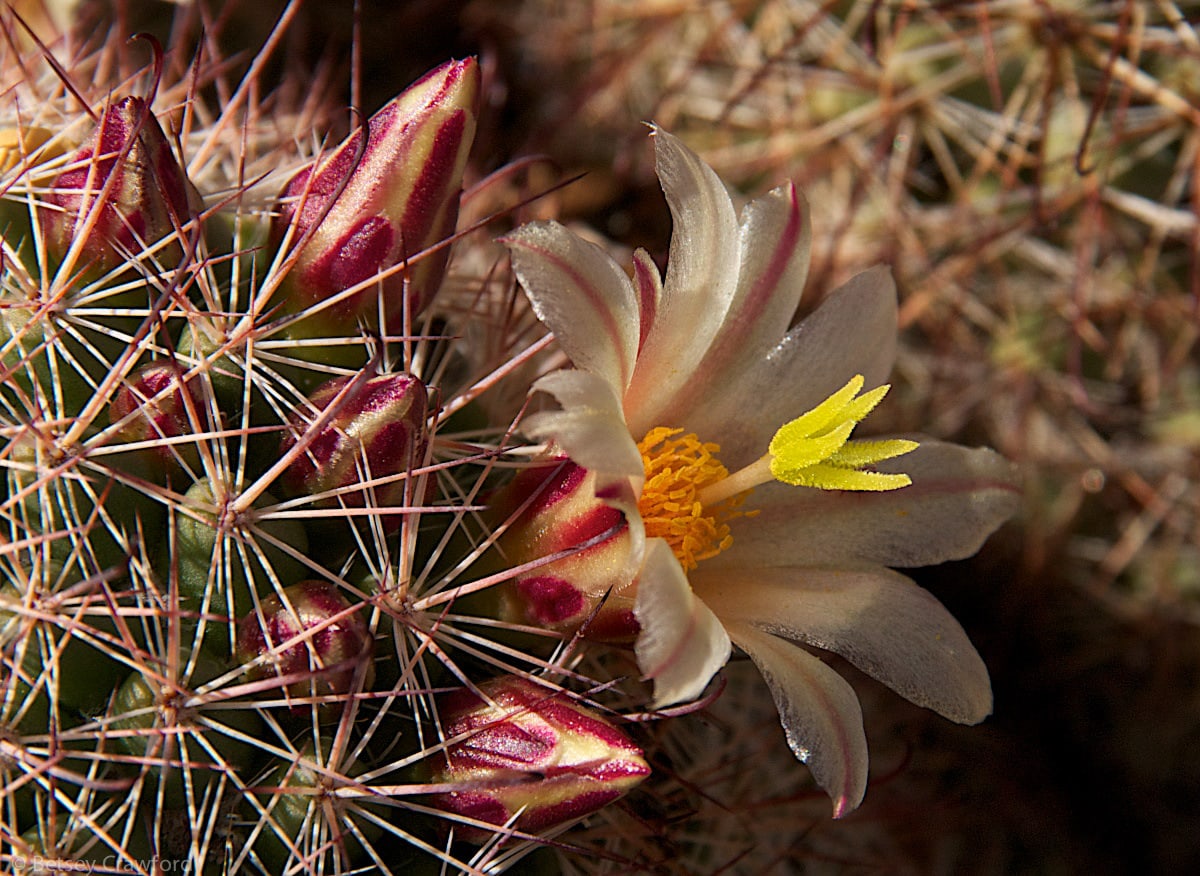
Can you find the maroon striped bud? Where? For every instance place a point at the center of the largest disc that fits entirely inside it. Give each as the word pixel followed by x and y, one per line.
pixel 311 631
pixel 150 406
pixel 360 215
pixel 530 750
pixel 553 509
pixel 376 431
pixel 124 190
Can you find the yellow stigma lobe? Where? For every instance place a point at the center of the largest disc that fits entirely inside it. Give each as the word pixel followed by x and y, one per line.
pixel 677 471
pixel 815 450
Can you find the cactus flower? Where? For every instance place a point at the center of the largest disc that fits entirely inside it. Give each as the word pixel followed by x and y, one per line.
pixel 24 144
pixel 376 431
pixel 742 531
pixel 123 192
pixel 356 216
pixel 313 631
pixel 526 752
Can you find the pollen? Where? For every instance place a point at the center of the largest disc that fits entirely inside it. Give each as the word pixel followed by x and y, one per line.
pixel 678 467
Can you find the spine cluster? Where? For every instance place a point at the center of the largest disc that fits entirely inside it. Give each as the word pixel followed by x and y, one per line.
pixel 242 465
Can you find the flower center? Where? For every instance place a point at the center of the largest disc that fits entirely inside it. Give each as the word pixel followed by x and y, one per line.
pixel 689 497
pixel 678 468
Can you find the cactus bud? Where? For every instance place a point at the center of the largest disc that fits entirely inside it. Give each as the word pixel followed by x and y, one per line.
pixel 399 199
pixel 528 752
pixel 151 406
pixel 554 508
pixel 124 189
pixel 311 630
pixel 377 431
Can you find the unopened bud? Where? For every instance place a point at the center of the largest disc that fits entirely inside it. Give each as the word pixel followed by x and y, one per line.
pixel 124 189
pixel 552 509
pixel 311 631
pixel 530 758
pixel 365 214
pixel 151 406
pixel 376 432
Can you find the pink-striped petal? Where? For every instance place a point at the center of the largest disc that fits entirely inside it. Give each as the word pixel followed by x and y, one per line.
pixel 819 711
pixel 775 240
pixel 590 428
pixel 852 332
pixel 649 288
pixel 681 645
pixel 700 283
pixel 583 297
pixel 959 496
pixel 877 619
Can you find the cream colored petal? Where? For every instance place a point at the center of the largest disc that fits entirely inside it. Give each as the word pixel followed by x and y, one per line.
pixel 959 496
pixel 700 283
pixel 681 645
pixel 877 619
pixel 819 711
pixel 582 295
pixel 852 332
pixel 590 427
pixel 648 283
pixel 774 243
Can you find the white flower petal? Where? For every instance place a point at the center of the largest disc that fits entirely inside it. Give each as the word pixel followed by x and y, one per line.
pixel 583 297
pixel 819 711
pixel 880 621
pixel 959 496
pixel 852 332
pixel 590 428
pixel 648 283
pixel 699 286
pixel 682 645
pixel 775 240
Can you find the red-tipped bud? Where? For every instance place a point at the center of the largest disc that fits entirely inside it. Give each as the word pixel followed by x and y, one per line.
pixel 376 431
pixel 151 405
pixel 552 509
pixel 313 632
pixel 529 750
pixel 124 190
pixel 399 197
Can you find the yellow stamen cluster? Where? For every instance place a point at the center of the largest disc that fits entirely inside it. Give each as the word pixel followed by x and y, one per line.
pixel 677 469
